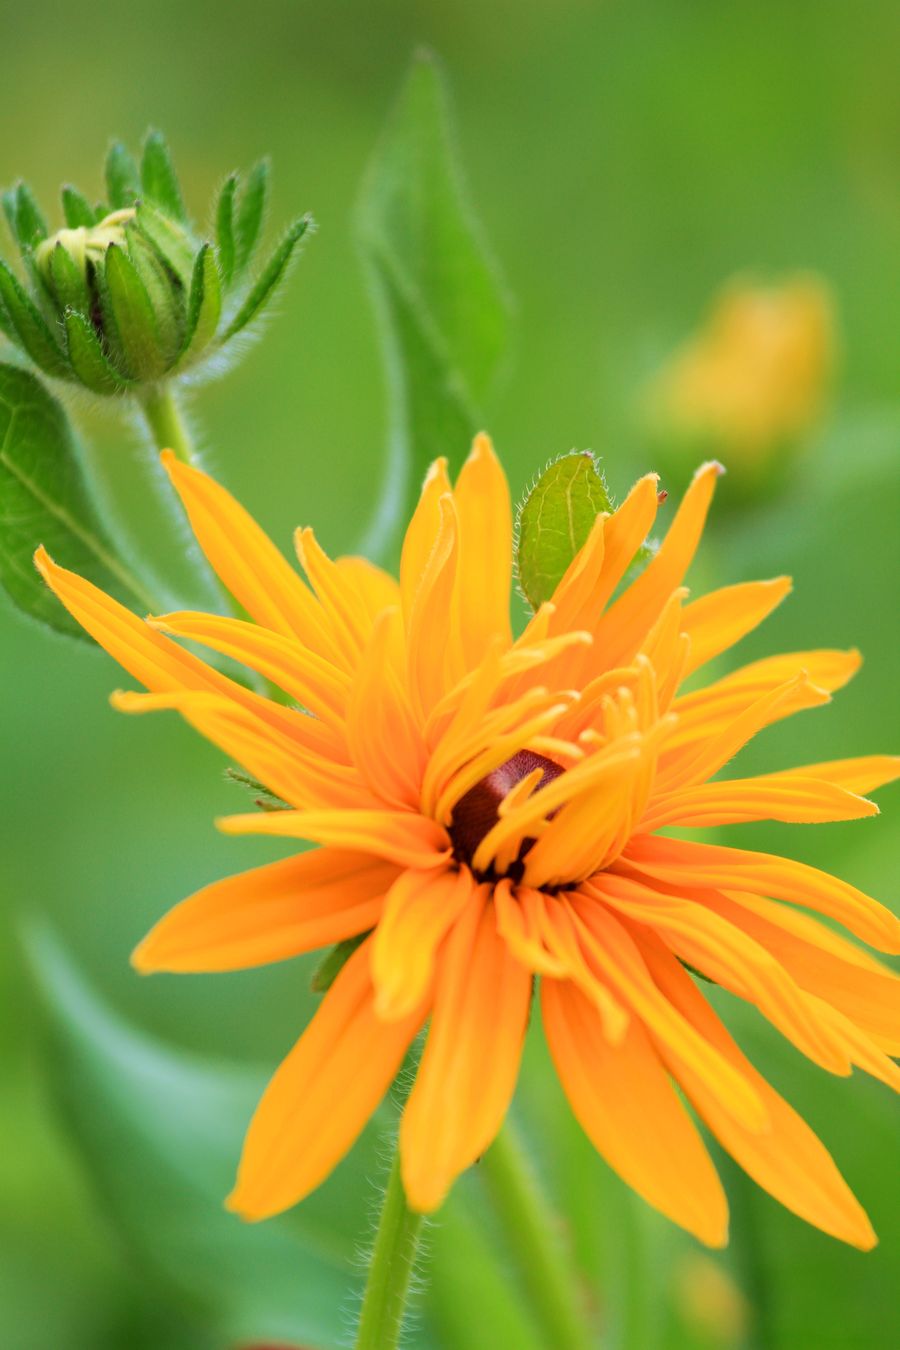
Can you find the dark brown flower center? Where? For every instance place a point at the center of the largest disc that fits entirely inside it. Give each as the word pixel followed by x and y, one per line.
pixel 477 811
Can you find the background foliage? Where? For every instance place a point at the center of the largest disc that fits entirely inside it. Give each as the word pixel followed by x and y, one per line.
pixel 625 161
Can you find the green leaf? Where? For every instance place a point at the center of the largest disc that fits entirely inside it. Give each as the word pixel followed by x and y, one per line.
pixel 171 242
pixel 269 280
pixel 158 177
pixel 69 281
pixel 77 209
pixel 128 306
pixel 250 215
pixel 44 500
pixel 30 327
pixel 160 1133
pixel 441 309
pixel 204 306
pixel 554 521
pixel 225 228
pixel 123 184
pixel 88 359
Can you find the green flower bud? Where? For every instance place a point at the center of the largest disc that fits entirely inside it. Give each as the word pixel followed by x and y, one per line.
pixel 128 294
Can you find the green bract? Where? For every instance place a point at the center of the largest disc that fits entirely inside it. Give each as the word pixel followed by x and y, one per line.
pixel 127 292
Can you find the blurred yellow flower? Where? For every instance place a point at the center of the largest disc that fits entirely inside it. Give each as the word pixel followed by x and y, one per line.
pixel 753 381
pixel 711 1301
pixel 487 811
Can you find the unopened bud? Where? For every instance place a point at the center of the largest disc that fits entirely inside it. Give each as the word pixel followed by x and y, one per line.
pixel 128 294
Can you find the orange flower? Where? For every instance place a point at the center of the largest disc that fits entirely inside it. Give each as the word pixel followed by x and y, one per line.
pixel 486 810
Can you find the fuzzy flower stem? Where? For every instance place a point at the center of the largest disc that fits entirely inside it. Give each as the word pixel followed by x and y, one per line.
pixel 391 1268
pixel 532 1232
pixel 166 421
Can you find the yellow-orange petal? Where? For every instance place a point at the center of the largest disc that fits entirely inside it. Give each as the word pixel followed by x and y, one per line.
pixel 715 622
pixel 788 1160
pixel 422 533
pixel 623 533
pixel 484 571
pixel 694 763
pixel 165 667
pixel 610 949
pixel 730 957
pixel 385 741
pixel 298 773
pixel 375 588
pixel 712 865
pixel 519 924
pixel 471 1058
pixel 338 591
pixel 321 1096
pixel 575 598
pixel 862 774
pixel 419 910
pixel 246 560
pixel 157 662
pixel 628 620
pixel 705 712
pixel 433 635
pixel 401 837
pixel 269 913
pixel 821 962
pixel 791 798
pixel 313 681
pixel 626 1105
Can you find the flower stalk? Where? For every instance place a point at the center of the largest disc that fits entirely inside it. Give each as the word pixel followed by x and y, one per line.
pixel 166 421
pixel 531 1230
pixel 391 1269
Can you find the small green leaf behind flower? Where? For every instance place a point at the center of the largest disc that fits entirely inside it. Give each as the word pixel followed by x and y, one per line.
pixel 158 298
pixel 43 499
pixel 554 520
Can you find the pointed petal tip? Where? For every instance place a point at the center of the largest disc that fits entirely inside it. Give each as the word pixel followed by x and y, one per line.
pixel 859 1233
pixel 425 1194
pixel 436 469
pixel 141 960
pixel 42 561
pixel 391 1006
pixel 234 1204
pixel 127 701
pixel 482 447
pixel 715 1236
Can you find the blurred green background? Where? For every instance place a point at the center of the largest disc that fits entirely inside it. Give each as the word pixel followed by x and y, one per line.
pixel 626 160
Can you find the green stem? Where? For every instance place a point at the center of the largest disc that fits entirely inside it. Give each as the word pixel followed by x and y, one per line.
pixel 390 1272
pixel 165 419
pixel 532 1231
